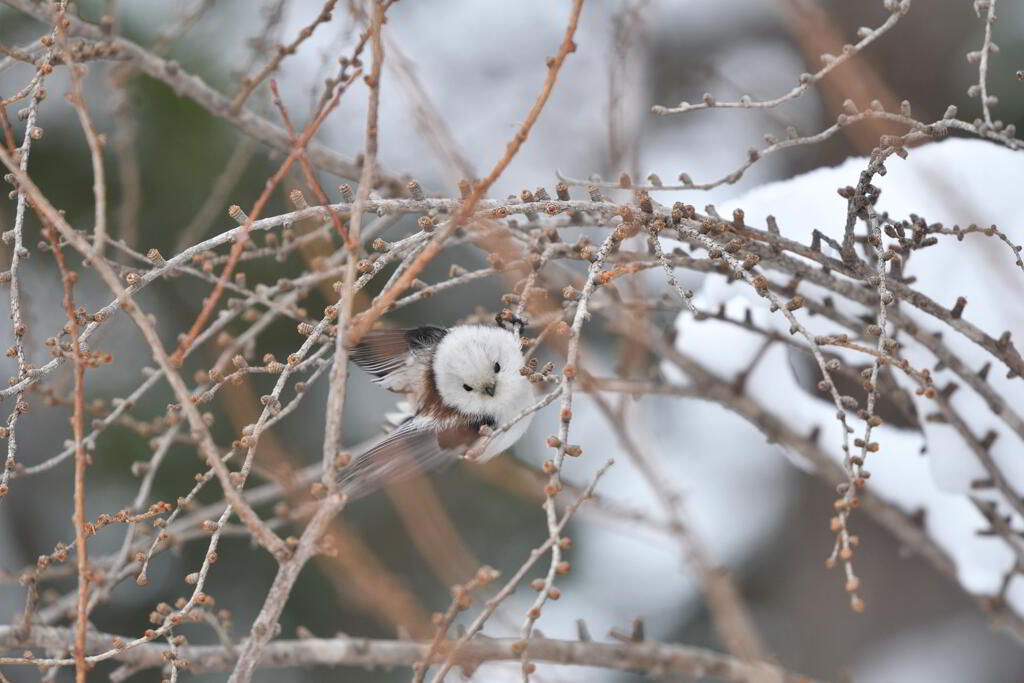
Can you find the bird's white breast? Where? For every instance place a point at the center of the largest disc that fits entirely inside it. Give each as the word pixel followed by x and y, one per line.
pixel 518 397
pixel 505 440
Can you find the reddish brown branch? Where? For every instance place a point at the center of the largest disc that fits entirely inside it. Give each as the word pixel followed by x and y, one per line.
pixel 78 427
pixel 433 248
pixel 307 168
pixel 236 249
pixel 77 100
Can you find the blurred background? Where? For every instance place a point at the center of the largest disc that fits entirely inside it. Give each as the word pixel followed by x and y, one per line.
pixel 481 64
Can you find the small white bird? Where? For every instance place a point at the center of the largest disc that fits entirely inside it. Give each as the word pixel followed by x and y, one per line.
pixel 457 380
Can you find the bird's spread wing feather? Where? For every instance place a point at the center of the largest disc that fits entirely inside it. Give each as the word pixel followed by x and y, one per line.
pixel 390 355
pixel 415 447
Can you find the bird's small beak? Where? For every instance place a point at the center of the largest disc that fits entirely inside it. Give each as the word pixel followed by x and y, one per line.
pixel 489 388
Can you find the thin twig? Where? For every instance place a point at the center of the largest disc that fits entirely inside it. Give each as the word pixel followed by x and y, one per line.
pixel 649 658
pixel 897 8
pixel 514 580
pixel 343 341
pixel 81 460
pixel 250 83
pixel 433 248
pixel 236 250
pixel 987 48
pixel 287 573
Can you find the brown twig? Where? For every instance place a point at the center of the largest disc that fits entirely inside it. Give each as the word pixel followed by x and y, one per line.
pixel 647 658
pixel 462 598
pixel 361 326
pixel 236 250
pixel 191 86
pixel 251 83
pixel 307 169
pixel 81 459
pixel 287 573
pixel 343 341
pixel 732 619
pixel 77 99
pixel 491 605
pixel 208 448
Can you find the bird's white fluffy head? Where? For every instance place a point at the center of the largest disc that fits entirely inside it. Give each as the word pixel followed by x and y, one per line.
pixel 476 369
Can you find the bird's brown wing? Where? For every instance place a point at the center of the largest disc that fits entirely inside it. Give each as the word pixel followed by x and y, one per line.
pixel 391 356
pixel 415 447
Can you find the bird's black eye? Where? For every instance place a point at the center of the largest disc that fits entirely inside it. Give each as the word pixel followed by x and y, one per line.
pixel 467 387
pixel 497 367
